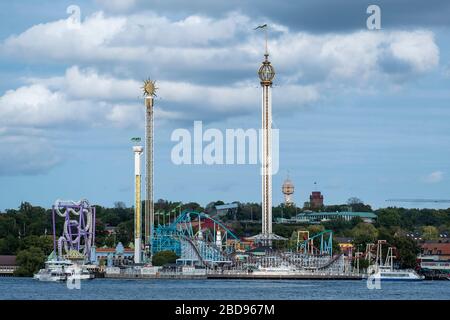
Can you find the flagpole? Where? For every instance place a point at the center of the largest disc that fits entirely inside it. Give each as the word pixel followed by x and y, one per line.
pixel 265 30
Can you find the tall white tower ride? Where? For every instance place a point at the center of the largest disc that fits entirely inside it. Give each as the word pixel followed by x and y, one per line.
pixel 137 204
pixel 266 74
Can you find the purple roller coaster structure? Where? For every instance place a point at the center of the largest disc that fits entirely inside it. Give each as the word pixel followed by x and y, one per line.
pixel 78 235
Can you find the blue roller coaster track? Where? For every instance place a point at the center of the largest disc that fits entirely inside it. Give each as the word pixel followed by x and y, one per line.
pixel 321 243
pixel 180 237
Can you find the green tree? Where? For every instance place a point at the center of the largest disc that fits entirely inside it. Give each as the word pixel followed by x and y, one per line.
pixel 364 233
pixel 164 257
pixel 125 231
pixel 29 261
pixel 389 217
pixel 407 250
pixel 430 233
pixel 314 229
pixel 9 245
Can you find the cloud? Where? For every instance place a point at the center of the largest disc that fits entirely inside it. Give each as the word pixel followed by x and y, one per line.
pixel 205 66
pixel 318 16
pixel 37 106
pixel 26 154
pixel 226 50
pixel 434 177
pixel 182 100
pixel 32 114
pixel 87 83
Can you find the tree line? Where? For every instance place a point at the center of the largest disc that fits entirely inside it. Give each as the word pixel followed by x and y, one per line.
pixel 26 231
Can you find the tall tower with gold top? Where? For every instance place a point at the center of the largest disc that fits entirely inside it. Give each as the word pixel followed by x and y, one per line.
pixel 149 89
pixel 266 74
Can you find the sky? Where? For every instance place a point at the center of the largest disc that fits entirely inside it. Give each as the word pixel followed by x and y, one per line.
pixel 361 113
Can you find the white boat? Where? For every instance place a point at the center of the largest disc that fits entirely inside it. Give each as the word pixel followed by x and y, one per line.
pixel 76 272
pixel 385 271
pixel 62 270
pixel 54 270
pixel 282 270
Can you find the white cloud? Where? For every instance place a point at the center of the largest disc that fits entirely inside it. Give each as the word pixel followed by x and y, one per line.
pixel 36 106
pixel 416 48
pixel 434 177
pixel 89 84
pixel 197 45
pixel 207 68
pixel 180 99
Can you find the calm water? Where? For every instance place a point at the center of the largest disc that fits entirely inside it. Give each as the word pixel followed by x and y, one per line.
pixel 27 288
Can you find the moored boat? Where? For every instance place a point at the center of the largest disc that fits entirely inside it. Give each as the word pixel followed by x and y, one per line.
pixel 62 270
pixel 54 270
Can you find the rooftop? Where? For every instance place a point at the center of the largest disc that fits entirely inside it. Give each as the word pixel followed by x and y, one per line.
pixel 7 260
pixel 227 206
pixel 113 250
pixel 437 248
pixel 341 213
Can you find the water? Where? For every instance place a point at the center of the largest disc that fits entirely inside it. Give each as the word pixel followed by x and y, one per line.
pixel 108 289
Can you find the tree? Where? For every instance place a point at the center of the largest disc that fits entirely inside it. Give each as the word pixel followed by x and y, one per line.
pixel 407 250
pixel 358 205
pixel 9 245
pixel 120 205
pixel 45 243
pixel 364 233
pixel 164 257
pixel 389 217
pixel 125 231
pixel 430 233
pixel 354 200
pixel 314 229
pixel 29 261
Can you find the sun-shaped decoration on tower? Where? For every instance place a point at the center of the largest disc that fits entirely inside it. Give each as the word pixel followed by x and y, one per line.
pixel 149 88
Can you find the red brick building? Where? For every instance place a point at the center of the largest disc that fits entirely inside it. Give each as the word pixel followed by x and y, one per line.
pixel 316 200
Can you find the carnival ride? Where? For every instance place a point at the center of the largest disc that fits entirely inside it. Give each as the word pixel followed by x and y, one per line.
pixel 196 238
pixel 78 234
pixel 202 240
pixel 320 243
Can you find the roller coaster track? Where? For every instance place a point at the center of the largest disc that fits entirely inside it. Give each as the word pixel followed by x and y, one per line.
pixel 330 262
pixel 193 246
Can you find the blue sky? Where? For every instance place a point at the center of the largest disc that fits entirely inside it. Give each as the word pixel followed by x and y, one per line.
pixel 362 113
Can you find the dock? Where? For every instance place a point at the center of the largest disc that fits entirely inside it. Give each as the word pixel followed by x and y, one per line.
pixel 203 274
pixel 299 276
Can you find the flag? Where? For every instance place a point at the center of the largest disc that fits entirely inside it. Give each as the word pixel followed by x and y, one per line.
pixel 261 26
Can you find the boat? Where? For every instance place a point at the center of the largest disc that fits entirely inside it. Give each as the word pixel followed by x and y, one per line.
pixel 62 270
pixel 385 271
pixel 281 270
pixel 54 270
pixel 77 272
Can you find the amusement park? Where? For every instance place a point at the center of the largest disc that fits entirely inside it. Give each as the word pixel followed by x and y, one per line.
pixel 204 245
